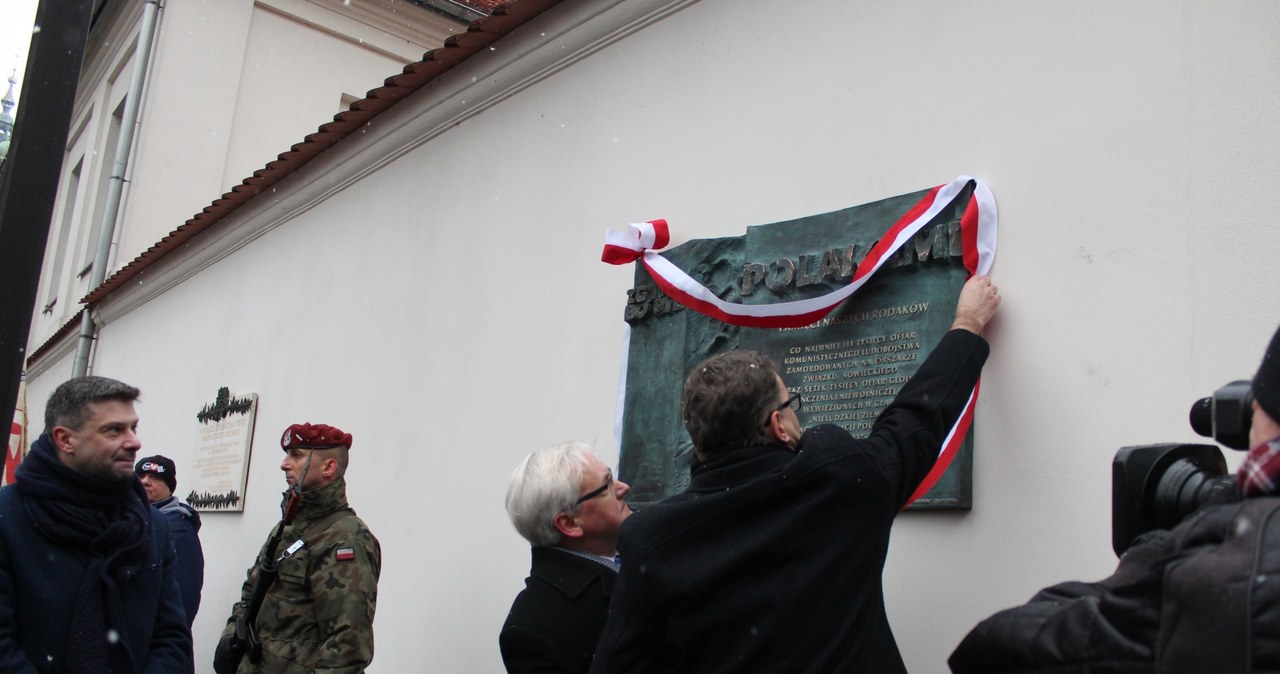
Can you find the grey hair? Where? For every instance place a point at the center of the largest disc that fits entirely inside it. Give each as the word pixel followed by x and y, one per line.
pixel 544 485
pixel 69 405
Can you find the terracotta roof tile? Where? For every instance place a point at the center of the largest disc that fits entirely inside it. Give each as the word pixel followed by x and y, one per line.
pixel 60 334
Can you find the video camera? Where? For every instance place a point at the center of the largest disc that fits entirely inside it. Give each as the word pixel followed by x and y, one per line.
pixel 1156 486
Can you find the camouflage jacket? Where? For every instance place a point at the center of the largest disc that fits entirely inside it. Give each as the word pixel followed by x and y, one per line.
pixel 318 614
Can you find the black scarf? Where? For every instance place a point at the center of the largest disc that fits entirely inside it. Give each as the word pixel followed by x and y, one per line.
pixel 107 524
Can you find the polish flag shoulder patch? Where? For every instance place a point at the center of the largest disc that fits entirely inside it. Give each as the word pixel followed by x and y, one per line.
pixel 344 554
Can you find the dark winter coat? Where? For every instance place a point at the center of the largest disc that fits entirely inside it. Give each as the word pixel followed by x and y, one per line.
pixel 184 523
pixel 556 620
pixel 771 561
pixel 38 591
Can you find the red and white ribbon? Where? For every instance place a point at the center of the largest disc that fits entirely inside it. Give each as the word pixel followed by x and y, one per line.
pixel 977 233
pixel 627 247
pixel 978 237
pixel 950 445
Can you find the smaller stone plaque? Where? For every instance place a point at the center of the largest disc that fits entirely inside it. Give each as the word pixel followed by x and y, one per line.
pixel 224 438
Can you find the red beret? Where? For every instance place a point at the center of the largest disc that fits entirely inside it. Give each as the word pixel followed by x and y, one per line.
pixel 314 436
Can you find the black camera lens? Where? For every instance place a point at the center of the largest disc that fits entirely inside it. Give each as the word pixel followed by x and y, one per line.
pixel 1156 486
pixel 1185 486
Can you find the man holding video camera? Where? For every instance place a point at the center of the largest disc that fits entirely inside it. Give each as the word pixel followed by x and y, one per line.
pixel 1203 597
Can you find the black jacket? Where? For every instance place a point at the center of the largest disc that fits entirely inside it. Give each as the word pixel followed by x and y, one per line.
pixel 555 621
pixel 38 585
pixel 1204 597
pixel 184 523
pixel 771 560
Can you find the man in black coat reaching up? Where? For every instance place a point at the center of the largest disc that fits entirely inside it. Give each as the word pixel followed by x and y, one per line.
pixel 771 561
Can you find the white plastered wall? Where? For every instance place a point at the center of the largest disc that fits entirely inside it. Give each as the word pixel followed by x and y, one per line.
pixel 450 310
pixel 233 84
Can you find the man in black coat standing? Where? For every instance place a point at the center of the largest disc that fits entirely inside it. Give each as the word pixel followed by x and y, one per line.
pixel 771 561
pixel 86 566
pixel 567 504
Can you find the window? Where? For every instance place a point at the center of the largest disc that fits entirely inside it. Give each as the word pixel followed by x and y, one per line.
pixel 94 225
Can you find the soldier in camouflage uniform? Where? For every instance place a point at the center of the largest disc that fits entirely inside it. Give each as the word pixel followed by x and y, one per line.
pixel 317 615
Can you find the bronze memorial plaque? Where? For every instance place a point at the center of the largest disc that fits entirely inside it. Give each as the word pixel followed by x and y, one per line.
pixel 848 366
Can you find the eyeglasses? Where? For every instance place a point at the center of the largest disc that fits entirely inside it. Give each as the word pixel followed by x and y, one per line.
pixel 608 482
pixel 795 398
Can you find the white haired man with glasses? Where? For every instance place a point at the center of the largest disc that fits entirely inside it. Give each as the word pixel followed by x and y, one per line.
pixel 771 560
pixel 567 504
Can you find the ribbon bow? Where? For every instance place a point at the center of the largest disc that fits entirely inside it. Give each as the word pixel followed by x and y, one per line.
pixel 629 246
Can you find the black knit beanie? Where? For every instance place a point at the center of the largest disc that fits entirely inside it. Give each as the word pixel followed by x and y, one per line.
pixel 160 466
pixel 1266 384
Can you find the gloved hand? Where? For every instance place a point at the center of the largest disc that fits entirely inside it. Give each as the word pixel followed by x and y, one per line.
pixel 226 657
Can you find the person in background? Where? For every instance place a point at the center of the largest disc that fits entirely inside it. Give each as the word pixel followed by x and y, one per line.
pixel 159 478
pixel 321 566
